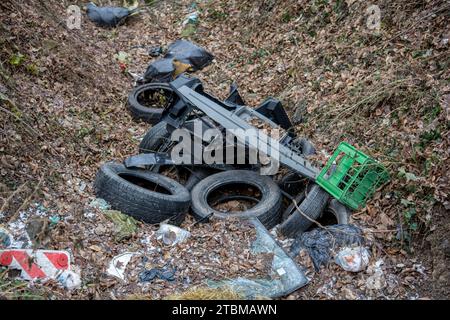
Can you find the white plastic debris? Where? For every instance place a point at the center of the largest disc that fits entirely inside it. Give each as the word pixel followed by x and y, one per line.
pixel 284 277
pixel 100 203
pixel 6 239
pixel 353 259
pixel 119 263
pixel 171 235
pixel 82 186
pixel 281 272
pixel 377 280
pixel 69 279
pixel 191 18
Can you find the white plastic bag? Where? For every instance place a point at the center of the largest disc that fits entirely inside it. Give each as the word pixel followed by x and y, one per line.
pixel 353 259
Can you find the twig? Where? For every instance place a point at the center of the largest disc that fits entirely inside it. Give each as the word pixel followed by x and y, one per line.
pixel 7 200
pixel 380 231
pixel 200 220
pixel 24 204
pixel 306 216
pixel 415 23
pixel 21 120
pixel 396 84
pixel 327 228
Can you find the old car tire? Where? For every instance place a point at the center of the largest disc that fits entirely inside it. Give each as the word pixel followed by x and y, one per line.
pixel 291 208
pixel 312 206
pixel 293 183
pixel 154 138
pixel 195 177
pixel 149 113
pixel 340 211
pixel 128 191
pixel 267 210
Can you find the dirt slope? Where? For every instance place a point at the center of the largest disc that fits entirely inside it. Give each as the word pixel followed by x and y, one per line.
pixel 63 113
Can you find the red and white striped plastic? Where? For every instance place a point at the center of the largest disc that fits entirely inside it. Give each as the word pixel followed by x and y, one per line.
pixel 36 264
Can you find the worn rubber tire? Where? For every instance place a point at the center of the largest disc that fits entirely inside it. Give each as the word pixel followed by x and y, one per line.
pixel 312 206
pixel 154 138
pixel 340 211
pixel 138 202
pixel 140 111
pixel 196 176
pixel 268 210
pixel 291 208
pixel 292 183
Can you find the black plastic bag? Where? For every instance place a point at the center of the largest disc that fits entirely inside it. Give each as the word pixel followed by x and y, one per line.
pixel 162 70
pixel 320 242
pixel 159 71
pixel 107 16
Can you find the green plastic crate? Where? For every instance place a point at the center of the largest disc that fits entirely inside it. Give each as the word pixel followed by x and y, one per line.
pixel 351 176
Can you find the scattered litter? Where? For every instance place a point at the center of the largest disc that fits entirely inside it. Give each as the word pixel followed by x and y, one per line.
pixel 6 238
pixel 99 203
pixel 38 230
pixel 171 235
pixel 82 186
pixel 377 280
pixel 192 18
pixel 320 243
pixel 155 51
pixel 69 279
pixel 108 16
pixel 353 259
pixel 327 288
pixel 285 276
pixel 119 263
pixel 215 251
pixel 20 227
pixel 183 51
pixel 136 78
pixel 165 273
pixel 21 241
pixel 88 214
pixel 123 60
pixel 54 220
pixel 124 226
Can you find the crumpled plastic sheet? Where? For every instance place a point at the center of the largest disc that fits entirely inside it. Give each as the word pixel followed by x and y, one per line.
pixel 100 203
pixel 321 242
pixel 167 274
pixel 353 259
pixel 162 70
pixel 286 276
pixel 124 226
pixel 171 235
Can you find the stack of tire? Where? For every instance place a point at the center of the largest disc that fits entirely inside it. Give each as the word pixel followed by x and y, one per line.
pixel 154 198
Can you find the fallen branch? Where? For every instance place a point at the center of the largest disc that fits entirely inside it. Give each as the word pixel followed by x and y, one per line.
pixel 7 200
pixel 27 200
pixel 306 216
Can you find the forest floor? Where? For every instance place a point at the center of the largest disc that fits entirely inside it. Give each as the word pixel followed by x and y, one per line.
pixel 385 90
